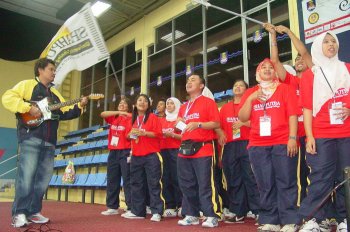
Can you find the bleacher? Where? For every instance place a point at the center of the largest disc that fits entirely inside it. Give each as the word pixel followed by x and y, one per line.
pixel 88 150
pixel 223 95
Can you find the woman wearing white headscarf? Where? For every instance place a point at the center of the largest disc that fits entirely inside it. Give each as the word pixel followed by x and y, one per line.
pixel 325 98
pixel 169 146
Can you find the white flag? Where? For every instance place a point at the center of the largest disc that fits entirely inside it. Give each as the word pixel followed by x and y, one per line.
pixel 77 45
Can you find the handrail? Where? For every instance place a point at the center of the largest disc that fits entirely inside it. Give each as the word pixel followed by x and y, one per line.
pixel 13 169
pixel 15 155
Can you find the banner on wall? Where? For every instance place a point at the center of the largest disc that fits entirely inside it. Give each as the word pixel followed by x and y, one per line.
pixel 323 15
pixel 77 45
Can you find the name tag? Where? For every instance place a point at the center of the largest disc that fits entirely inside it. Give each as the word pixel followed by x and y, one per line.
pixel 114 141
pixel 265 126
pixel 236 134
pixel 181 126
pixel 333 113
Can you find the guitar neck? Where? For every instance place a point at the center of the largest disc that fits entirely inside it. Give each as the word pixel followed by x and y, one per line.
pixel 63 104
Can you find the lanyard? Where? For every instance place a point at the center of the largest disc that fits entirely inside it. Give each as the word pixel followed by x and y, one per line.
pixel 189 106
pixel 327 82
pixel 139 125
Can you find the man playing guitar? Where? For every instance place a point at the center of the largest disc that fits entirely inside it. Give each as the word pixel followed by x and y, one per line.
pixel 36 145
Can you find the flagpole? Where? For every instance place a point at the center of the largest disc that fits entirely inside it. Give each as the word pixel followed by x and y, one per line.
pixel 207 4
pixel 115 74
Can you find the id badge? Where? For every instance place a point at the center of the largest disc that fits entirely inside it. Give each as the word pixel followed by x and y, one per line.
pixel 181 126
pixel 236 134
pixel 114 141
pixel 265 125
pixel 333 113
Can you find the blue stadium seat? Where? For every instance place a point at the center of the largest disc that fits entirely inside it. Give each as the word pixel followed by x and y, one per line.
pixel 103 158
pixel 90 180
pixel 101 180
pixel 53 180
pixel 88 160
pixel 58 181
pixel 96 159
pixel 229 93
pixel 81 180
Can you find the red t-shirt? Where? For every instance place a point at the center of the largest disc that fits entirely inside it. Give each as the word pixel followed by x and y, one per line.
pixel 146 145
pixel 203 109
pixel 228 115
pixel 280 106
pixel 169 143
pixel 118 131
pixel 294 82
pixel 321 126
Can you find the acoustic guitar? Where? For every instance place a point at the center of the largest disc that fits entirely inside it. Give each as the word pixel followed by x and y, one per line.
pixel 46 109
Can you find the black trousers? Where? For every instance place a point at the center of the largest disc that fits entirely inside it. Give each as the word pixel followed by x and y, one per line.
pixel 172 192
pixel 117 168
pixel 151 167
pixel 196 181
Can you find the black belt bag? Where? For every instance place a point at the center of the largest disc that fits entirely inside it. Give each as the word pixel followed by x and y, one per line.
pixel 190 147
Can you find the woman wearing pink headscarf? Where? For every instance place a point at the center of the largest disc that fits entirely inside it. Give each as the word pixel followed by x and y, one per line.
pixel 325 100
pixel 270 107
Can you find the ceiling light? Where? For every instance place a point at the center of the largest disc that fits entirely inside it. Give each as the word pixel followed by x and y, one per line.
pixel 178 34
pixel 234 68
pixel 213 74
pixel 99 7
pixel 210 50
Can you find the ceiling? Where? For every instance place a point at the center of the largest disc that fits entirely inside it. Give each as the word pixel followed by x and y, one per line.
pixel 27 26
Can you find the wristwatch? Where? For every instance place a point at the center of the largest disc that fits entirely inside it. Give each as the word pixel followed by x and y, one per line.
pixel 199 125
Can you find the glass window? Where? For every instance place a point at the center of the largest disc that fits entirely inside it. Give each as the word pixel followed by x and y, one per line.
pixel 215 16
pixel 163 36
pixel 130 54
pixel 133 80
pixel 188 24
pixel 248 5
pixel 114 91
pixel 160 67
pixel 117 59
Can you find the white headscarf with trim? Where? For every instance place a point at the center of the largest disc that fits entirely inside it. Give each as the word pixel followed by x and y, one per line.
pixel 335 70
pixel 207 93
pixel 173 115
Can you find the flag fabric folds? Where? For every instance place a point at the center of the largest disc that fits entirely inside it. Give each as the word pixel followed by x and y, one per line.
pixel 77 45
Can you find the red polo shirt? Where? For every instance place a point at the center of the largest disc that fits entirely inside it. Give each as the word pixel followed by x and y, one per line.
pixel 229 115
pixel 294 82
pixel 146 145
pixel 321 126
pixel 279 107
pixel 203 109
pixel 119 128
pixel 168 143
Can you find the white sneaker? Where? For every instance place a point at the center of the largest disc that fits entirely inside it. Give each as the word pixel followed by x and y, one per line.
pixel 343 226
pixel 310 226
pixel 188 220
pixel 130 215
pixel 269 227
pixel 210 222
pixel 156 217
pixel 19 220
pixel 148 210
pixel 325 226
pixel 290 228
pixel 169 213
pixel 110 212
pixel 38 218
pixel 251 215
pixel 228 213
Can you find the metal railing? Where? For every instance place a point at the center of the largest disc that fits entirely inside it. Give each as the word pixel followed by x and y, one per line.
pixel 6 160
